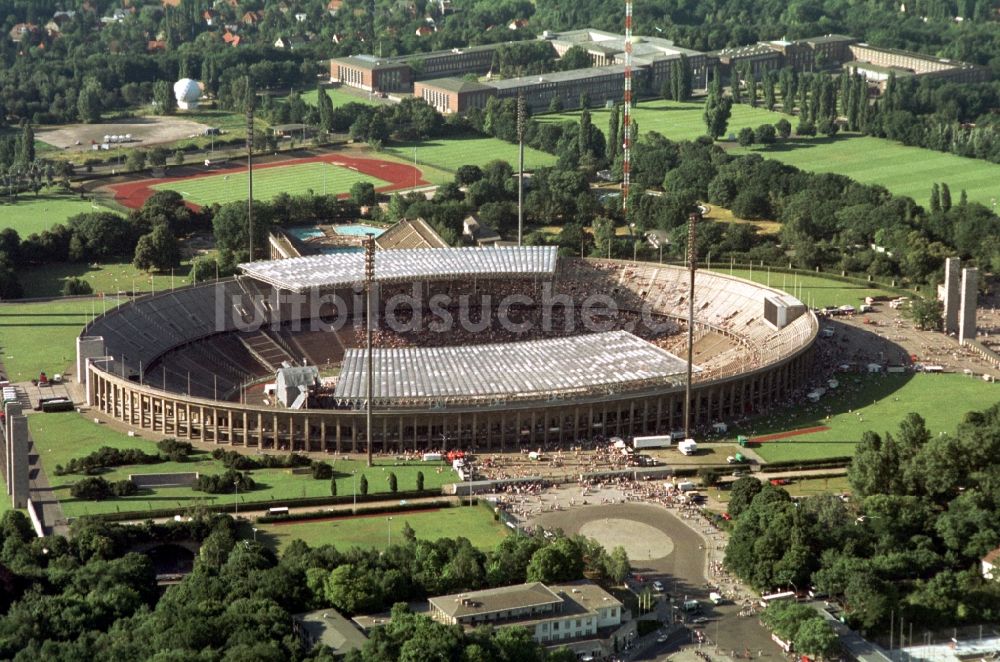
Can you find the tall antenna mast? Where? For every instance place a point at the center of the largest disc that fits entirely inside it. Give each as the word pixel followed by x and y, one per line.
pixel 370 295
pixel 250 104
pixel 521 113
pixel 627 116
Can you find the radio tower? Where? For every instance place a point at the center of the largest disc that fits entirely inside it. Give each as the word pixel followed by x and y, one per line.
pixel 627 116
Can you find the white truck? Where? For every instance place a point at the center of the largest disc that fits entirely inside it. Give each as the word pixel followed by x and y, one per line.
pixel 661 441
pixel 688 447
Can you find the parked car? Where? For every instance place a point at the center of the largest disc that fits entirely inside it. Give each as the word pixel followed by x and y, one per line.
pixel 658 586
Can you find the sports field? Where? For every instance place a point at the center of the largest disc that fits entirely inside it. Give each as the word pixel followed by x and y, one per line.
pixel 816 291
pixel 319 177
pixel 60 437
pixel 451 153
pixel 41 336
pixel 368 531
pixel 870 402
pixel 903 170
pixel 48 280
pixel 30 215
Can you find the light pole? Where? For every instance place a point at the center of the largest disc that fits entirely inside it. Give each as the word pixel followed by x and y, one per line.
pixel 388 525
pixel 255 534
pixel 354 483
pixel 236 484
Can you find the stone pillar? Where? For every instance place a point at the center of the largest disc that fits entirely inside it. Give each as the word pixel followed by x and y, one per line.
pixel 87 347
pixel 967 315
pixel 20 484
pixel 11 410
pixel 952 296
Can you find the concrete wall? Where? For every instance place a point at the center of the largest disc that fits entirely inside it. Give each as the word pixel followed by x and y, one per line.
pixel 952 299
pixel 967 316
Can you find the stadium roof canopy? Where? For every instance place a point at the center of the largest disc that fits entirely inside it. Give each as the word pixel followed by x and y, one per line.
pixel 343 269
pixel 597 363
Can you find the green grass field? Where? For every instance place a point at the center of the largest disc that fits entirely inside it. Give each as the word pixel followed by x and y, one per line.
pixel 817 291
pixel 372 531
pixel 61 437
pixel 877 403
pixel 31 215
pixel 41 336
pixel 269 182
pixel 903 170
pixel 340 96
pixel 451 153
pixel 48 280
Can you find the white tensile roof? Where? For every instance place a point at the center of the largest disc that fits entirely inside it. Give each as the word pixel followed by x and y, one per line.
pixel 300 274
pixel 598 363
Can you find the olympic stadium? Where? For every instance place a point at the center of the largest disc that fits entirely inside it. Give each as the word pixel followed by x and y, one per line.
pixel 487 348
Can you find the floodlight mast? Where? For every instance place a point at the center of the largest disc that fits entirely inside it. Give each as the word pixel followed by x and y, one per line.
pixel 692 255
pixel 369 284
pixel 627 114
pixel 521 119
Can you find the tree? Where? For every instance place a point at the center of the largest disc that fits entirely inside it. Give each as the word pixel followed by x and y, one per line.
pixel 26 146
pixel 363 485
pixel 926 314
pixel 817 638
pixel 393 484
pixel 717 112
pixel 163 97
pixel 158 157
pixel 764 134
pixel 742 493
pixel 618 565
pixel 556 104
pixel 76 286
pixel 325 107
pixel 88 103
pixel 179 157
pixel 363 194
pixel 604 236
pixel 745 137
pixel 783 128
pixel 333 486
pixel 828 127
pixel 945 198
pixel 805 128
pixel 157 250
pixel 136 160
pixel 420 481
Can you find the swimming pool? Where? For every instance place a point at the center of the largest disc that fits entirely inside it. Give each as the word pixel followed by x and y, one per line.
pixel 357 230
pixel 304 233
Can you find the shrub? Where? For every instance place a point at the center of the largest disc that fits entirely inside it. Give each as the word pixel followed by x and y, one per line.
pixel 175 451
pixel 97 489
pixel 235 460
pixel 420 481
pixel 224 483
pixel 333 487
pixel 322 470
pixel 74 286
pixel 106 457
pixel 393 483
pixel 363 485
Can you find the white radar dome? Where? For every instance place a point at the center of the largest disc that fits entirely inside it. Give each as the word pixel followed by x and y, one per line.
pixel 187 92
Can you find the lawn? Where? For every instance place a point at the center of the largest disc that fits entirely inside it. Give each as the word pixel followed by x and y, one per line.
pixel 903 170
pixel 48 280
pixel 60 437
pixel 870 402
pixel 451 153
pixel 340 96
pixel 5 502
pixel 41 336
pixel 324 178
pixel 816 291
pixel 30 215
pixel 476 524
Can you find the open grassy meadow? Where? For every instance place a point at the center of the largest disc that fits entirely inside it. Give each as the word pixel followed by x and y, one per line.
pixel 48 280
pixel 373 531
pixel 903 170
pixel 451 153
pixel 30 215
pixel 61 437
pixel 869 402
pixel 41 336
pixel 268 182
pixel 817 291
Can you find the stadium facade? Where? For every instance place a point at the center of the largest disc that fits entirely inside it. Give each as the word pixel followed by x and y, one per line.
pixel 182 363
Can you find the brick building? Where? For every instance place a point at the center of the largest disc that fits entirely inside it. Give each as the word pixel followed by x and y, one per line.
pixel 453 95
pixel 875 64
pixel 396 74
pixel 601 85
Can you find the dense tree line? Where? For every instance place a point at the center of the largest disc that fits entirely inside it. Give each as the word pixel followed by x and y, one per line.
pixel 87 598
pixel 104 458
pixel 925 515
pixel 95 488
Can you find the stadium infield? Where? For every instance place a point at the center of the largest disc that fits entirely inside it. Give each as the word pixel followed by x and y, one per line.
pixel 333 173
pixel 34 214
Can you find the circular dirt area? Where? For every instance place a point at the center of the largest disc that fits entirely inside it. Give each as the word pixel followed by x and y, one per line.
pixel 144 131
pixel 642 542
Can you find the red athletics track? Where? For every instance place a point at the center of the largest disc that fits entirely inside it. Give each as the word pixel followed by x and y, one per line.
pixel 399 176
pixel 790 433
